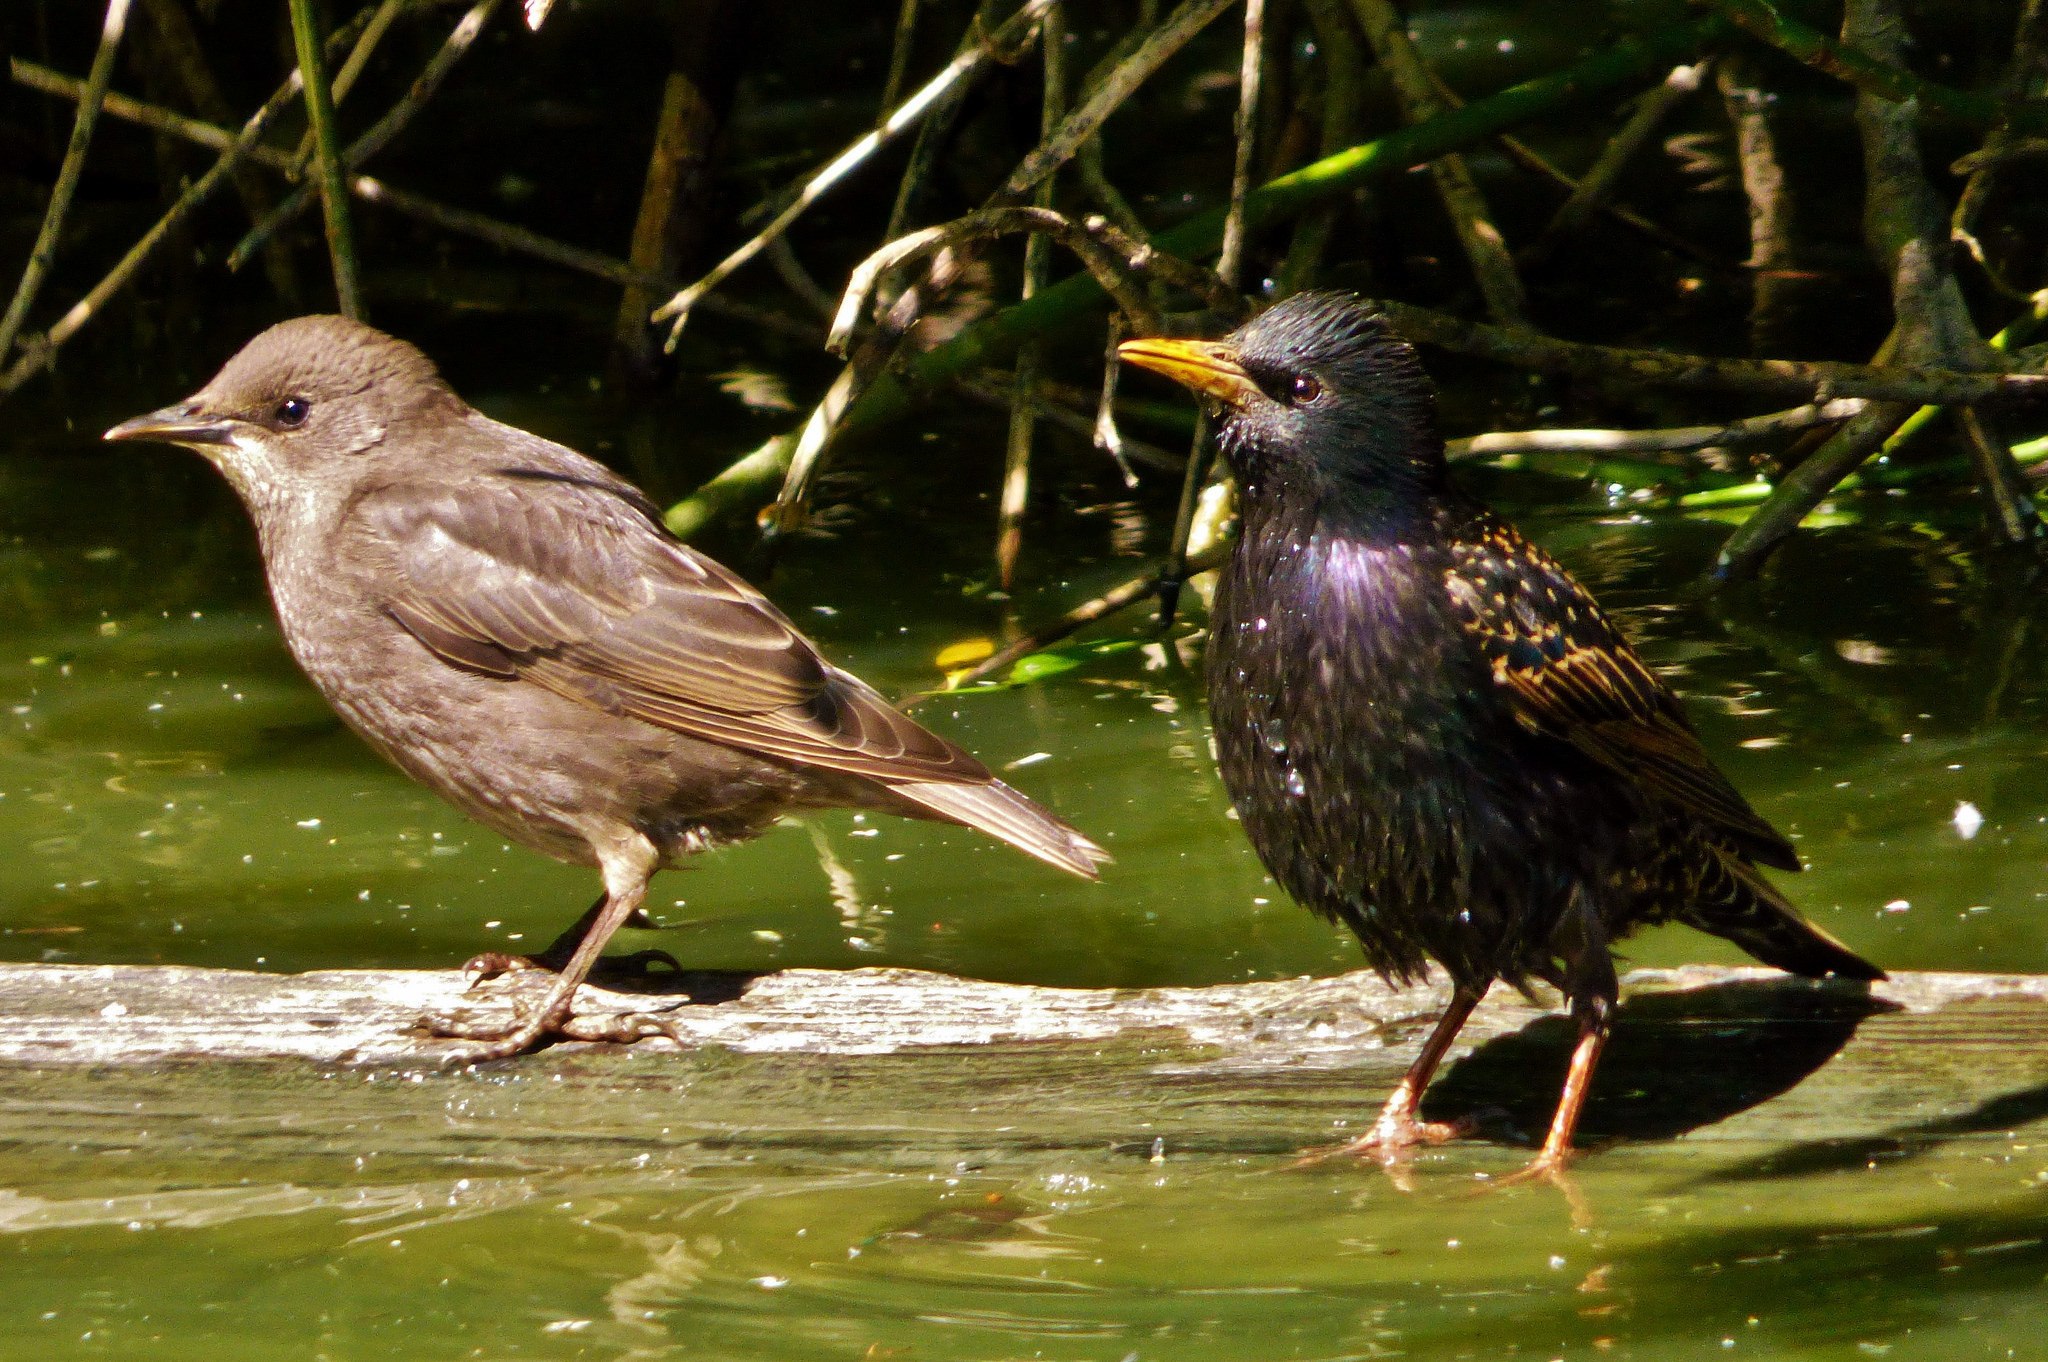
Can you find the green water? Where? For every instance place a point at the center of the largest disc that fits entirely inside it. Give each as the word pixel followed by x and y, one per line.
pixel 171 791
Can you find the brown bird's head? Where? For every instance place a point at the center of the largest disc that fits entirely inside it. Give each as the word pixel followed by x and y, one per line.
pixel 306 404
pixel 1316 389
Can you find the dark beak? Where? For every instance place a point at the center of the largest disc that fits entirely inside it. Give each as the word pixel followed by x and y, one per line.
pixel 1208 367
pixel 182 424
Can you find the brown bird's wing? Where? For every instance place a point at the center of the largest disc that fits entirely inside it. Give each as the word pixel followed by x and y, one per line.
pixel 569 586
pixel 1573 676
pixel 562 579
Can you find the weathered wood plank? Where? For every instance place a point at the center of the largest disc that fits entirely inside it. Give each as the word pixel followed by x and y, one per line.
pixel 115 1014
pixel 913 1059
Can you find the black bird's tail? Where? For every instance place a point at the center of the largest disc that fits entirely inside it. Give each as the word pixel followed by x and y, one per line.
pixel 1001 812
pixel 1743 907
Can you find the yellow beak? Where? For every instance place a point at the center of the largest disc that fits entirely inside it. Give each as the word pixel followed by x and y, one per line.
pixel 1208 367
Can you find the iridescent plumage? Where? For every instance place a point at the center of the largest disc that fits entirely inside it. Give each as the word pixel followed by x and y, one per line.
pixel 1431 732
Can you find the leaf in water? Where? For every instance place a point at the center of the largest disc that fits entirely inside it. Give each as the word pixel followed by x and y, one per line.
pixel 965 653
pixel 1051 662
pixel 1039 666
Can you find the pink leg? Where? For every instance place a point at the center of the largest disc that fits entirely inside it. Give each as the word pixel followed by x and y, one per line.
pixel 1557 1145
pixel 1397 1127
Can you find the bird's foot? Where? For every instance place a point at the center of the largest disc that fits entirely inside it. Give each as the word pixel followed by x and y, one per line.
pixel 497 1039
pixel 1392 1137
pixel 1554 1167
pixel 1549 1166
pixel 530 1028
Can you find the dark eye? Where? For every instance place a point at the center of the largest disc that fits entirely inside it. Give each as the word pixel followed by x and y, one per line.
pixel 1304 390
pixel 292 411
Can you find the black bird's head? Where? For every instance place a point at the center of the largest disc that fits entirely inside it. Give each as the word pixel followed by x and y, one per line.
pixel 306 406
pixel 1316 390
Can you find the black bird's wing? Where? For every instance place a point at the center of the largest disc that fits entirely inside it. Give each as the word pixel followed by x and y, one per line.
pixel 565 582
pixel 1572 675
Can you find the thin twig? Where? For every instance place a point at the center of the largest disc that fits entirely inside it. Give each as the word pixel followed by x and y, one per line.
pixel 899 53
pixel 1173 32
pixel 1873 73
pixel 1113 259
pixel 341 244
pixel 1804 488
pixel 417 95
pixel 1903 226
pixel 177 45
pixel 1774 277
pixel 991 392
pixel 44 252
pixel 676 311
pixel 1493 268
pixel 1533 161
pixel 2028 39
pixel 42 351
pixel 1763 378
pixel 1343 70
pixel 753 478
pixel 351 70
pixel 1173 571
pixel 1621 149
pixel 1230 255
pixel 805 452
pixel 1676 439
pixel 1015 496
pixel 1107 437
pixel 798 280
pixel 1080 617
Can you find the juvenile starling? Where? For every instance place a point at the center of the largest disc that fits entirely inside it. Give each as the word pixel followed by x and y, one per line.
pixel 509 623
pixel 1431 732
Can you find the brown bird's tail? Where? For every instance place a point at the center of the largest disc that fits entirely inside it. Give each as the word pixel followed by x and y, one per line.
pixel 1744 908
pixel 1002 813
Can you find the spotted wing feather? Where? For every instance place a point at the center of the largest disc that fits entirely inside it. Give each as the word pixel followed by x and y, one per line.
pixel 1573 676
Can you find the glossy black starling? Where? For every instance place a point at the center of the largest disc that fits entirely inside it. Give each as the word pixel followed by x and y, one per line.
pixel 509 623
pixel 1431 733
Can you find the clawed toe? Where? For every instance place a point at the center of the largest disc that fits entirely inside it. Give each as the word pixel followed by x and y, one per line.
pixel 639 965
pixel 621 1028
pixel 496 1040
pixel 490 964
pixel 1545 1167
pixel 499 1039
pixel 1390 1139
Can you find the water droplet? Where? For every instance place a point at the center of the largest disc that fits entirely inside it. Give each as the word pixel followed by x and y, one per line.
pixel 1296 786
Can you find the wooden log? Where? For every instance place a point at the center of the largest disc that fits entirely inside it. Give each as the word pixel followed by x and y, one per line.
pixel 909 1058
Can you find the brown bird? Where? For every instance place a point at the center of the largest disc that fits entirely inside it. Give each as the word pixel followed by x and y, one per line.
pixel 509 623
pixel 1431 733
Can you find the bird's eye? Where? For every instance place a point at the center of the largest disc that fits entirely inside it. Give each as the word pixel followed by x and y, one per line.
pixel 1305 389
pixel 292 411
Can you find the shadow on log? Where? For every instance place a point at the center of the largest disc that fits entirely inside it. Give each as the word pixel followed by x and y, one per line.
pixel 1678 1061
